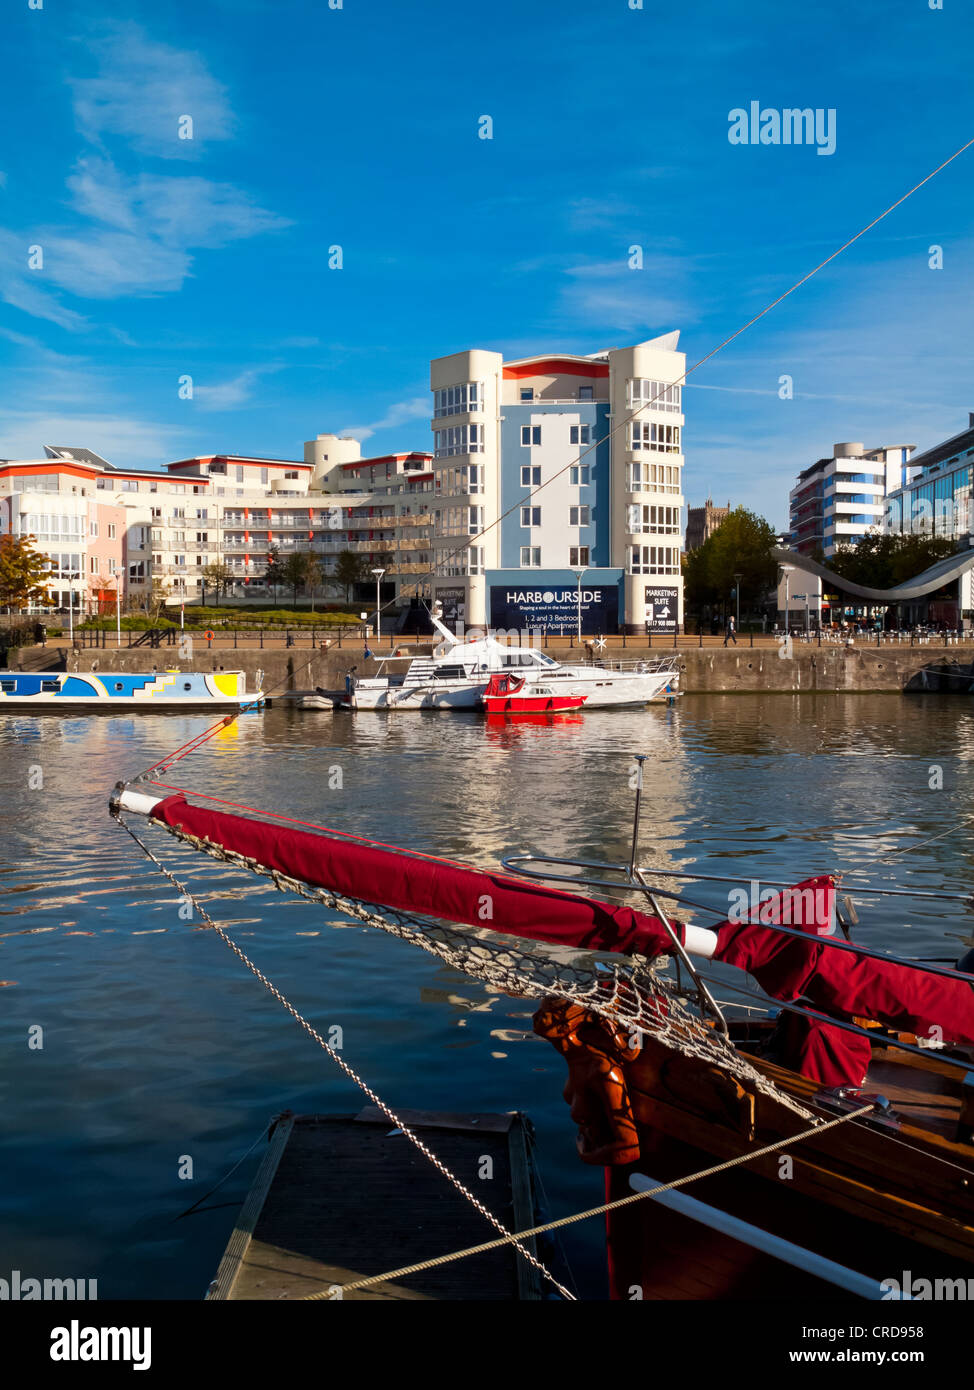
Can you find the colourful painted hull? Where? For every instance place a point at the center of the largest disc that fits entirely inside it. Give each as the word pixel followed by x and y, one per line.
pixel 60 692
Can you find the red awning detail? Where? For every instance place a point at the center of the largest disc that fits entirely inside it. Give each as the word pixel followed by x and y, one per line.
pixel 429 887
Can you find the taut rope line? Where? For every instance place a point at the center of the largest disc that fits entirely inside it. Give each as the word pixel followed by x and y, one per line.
pixel 592 1211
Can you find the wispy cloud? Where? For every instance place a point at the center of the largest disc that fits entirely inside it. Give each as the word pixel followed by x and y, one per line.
pixel 142 89
pixel 401 413
pixel 119 438
pixel 137 233
pixel 611 298
pixel 226 395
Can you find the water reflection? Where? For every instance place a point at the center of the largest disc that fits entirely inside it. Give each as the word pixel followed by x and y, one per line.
pixel 158 1043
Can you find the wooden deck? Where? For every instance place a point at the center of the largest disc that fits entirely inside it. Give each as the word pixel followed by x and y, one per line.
pixel 341 1197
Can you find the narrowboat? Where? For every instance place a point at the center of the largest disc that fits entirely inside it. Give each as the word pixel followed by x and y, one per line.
pixel 61 691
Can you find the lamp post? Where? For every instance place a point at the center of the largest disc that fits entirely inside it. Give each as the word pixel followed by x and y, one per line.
pixel 118 613
pixel 578 575
pixel 786 571
pixel 378 611
pixel 737 592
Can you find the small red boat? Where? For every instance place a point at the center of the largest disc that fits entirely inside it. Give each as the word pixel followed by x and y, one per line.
pixel 506 694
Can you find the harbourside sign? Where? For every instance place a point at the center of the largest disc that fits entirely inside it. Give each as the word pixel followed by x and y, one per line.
pixel 554 608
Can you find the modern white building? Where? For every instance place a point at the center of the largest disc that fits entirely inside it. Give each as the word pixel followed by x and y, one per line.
pixel 837 500
pixel 557 475
pixel 108 529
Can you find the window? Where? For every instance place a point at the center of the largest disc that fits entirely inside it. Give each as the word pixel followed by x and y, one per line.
pixel 580 434
pixel 217 468
pixel 659 394
pixel 93 530
pixel 92 565
pixel 579 475
pixel 475 520
pixel 530 477
pixel 458 439
pixel 530 516
pixel 530 434
pixel 579 516
pixel 530 557
pixel 658 519
pixel 647 434
pixel 578 555
pixel 238 468
pixel 654 559
pixel 200 513
pixel 527 393
pixel 111 530
pixel 264 476
pixel 455 400
pixel 585 393
pixel 652 477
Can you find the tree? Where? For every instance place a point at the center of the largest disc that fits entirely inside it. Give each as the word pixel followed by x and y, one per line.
pixel 219 577
pixel 23 573
pixel 349 569
pixel 883 560
pixel 312 573
pixel 274 574
pixel 741 545
pixel 155 601
pixel 292 573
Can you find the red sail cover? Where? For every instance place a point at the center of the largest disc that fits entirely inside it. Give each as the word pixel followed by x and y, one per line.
pixel 837 981
pixel 430 887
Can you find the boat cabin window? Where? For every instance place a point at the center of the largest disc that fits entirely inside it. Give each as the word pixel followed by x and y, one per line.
pixel 8 687
pixel 119 685
pixel 451 673
pixel 49 687
pixel 187 685
pixel 527 658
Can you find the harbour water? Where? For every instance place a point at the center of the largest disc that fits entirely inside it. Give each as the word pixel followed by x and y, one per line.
pixel 162 1056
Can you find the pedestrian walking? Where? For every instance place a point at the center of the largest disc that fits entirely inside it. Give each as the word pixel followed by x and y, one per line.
pixel 729 632
pixel 40 634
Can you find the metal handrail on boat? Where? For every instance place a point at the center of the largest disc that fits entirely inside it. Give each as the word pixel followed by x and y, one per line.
pixel 633 878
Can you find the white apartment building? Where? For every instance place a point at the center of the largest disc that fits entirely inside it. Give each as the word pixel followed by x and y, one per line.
pixel 557 474
pixel 106 528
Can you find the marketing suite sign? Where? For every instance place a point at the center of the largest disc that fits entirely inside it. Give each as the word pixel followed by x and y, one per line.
pixel 662 609
pixel 554 608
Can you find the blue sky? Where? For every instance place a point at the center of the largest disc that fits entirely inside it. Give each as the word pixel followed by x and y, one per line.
pixel 359 127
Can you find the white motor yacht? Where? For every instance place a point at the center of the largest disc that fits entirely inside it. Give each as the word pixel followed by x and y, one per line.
pixel 456 675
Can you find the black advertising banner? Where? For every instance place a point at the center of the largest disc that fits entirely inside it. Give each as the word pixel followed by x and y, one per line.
pixel 662 609
pixel 554 608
